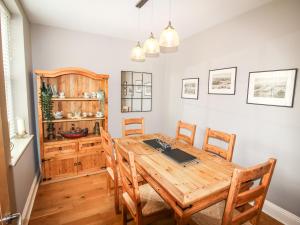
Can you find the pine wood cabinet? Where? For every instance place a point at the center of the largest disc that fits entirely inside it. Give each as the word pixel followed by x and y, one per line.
pixel 65 158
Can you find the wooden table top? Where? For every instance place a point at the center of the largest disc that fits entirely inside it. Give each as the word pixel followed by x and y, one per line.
pixel 187 185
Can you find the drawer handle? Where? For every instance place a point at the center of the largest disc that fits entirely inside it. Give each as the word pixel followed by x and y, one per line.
pixel 59 148
pixel 92 144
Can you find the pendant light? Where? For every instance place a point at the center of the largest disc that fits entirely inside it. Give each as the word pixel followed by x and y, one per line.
pixel 151 45
pixel 169 37
pixel 137 53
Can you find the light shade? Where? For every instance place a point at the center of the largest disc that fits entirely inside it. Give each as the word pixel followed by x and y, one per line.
pixel 151 47
pixel 169 37
pixel 137 53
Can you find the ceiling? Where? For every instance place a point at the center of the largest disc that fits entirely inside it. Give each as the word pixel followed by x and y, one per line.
pixel 119 18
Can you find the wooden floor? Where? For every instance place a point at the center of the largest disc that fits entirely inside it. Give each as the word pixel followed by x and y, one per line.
pixel 84 201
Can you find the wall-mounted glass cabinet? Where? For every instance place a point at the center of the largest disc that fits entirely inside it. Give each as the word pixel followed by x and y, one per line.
pixel 136 91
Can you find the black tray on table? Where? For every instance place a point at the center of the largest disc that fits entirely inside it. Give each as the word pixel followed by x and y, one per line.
pixel 176 154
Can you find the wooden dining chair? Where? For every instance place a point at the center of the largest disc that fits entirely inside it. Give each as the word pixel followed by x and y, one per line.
pixel 132 121
pixel 225 212
pixel 111 167
pixel 142 202
pixel 228 138
pixel 191 128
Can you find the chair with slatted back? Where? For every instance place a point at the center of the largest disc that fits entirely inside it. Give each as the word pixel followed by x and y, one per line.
pixel 228 138
pixel 111 167
pixel 142 202
pixel 191 128
pixel 133 121
pixel 226 213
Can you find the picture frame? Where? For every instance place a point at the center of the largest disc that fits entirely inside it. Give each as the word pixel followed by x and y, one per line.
pixel 190 88
pixel 272 87
pixel 222 81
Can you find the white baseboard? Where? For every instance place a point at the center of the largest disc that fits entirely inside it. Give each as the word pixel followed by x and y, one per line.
pixel 280 214
pixel 30 200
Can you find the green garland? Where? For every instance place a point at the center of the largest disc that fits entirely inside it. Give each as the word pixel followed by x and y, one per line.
pixel 46 103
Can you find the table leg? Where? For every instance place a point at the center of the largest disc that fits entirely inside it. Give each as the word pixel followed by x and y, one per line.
pixel 180 220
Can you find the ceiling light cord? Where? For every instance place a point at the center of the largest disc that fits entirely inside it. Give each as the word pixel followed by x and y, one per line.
pixel 170 9
pixel 152 17
pixel 139 23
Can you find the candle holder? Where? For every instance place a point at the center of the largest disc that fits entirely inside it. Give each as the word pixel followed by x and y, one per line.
pixel 20 136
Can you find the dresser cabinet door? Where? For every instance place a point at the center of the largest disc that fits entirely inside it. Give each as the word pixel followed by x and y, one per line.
pixel 90 162
pixel 60 167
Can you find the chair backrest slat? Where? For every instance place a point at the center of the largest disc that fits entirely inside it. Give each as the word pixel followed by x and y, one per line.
pixel 129 176
pixel 135 131
pixel 249 195
pixel 189 127
pixel 110 158
pixel 238 196
pixel 245 216
pixel 222 136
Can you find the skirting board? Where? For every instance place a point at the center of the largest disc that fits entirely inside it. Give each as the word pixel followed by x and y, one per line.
pixel 280 214
pixel 30 200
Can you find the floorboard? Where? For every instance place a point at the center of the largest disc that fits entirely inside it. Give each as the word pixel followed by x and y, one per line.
pixel 85 201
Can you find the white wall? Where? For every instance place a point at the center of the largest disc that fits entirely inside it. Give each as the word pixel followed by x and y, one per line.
pixel 26 168
pixel 263 39
pixel 53 48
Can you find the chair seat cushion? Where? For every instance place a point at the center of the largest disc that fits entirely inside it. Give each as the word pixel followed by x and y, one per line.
pixel 212 215
pixel 151 202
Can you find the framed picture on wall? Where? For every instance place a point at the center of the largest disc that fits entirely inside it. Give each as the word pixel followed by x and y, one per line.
pixel 273 87
pixel 190 88
pixel 222 81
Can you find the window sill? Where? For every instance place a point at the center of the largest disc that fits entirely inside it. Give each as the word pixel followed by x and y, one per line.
pixel 20 145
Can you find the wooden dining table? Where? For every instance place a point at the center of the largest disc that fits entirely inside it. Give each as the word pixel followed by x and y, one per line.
pixel 187 189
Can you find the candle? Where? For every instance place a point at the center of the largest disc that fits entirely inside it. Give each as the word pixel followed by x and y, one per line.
pixel 20 126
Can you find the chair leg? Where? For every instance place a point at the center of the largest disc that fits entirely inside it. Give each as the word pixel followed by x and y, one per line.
pixel 117 200
pixel 124 215
pixel 108 183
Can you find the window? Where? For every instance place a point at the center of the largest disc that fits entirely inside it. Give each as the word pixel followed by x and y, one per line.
pixel 5 36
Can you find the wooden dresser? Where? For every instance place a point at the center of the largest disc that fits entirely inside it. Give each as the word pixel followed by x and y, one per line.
pixel 63 158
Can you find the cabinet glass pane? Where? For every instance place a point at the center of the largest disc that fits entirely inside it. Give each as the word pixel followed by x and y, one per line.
pixel 126 78
pixel 147 79
pixel 147 105
pixel 136 105
pixel 147 91
pixel 126 105
pixel 137 78
pixel 138 91
pixel 127 91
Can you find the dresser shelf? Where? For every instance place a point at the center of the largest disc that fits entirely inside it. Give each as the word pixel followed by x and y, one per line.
pixel 74 99
pixel 75 120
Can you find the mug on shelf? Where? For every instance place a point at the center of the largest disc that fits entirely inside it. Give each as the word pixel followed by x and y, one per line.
pixel 86 95
pixel 61 94
pixel 99 114
pixel 84 114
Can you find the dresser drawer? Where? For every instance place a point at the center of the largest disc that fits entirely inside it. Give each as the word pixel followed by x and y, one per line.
pixel 58 149
pixel 90 146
